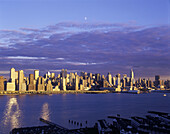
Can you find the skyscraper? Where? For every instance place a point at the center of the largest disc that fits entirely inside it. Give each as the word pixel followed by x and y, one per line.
pixel 132 77
pixel 63 83
pixel 118 80
pixel 22 84
pixel 118 83
pixel 62 73
pixel 85 80
pixel 1 83
pixel 157 80
pixel 31 85
pixel 76 82
pixel 49 86
pixel 157 77
pixel 114 81
pixel 36 74
pixel 71 77
pixel 16 74
pixel 12 75
pixel 97 77
pixel 21 76
pixel 65 73
pixel 40 84
pixel 52 75
pixel 11 85
pixel 131 74
pixel 109 78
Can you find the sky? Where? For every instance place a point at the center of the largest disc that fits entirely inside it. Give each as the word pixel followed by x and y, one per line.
pixel 98 36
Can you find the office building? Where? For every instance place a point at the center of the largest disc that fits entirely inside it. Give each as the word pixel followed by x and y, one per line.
pixel 40 84
pixel 49 86
pixel 76 82
pixel 114 81
pixel 36 74
pixel 132 77
pixel 109 78
pixel 1 83
pixel 157 80
pixel 11 84
pixel 63 83
pixel 21 82
pixel 12 75
pixel 118 79
pixel 31 85
pixel 52 75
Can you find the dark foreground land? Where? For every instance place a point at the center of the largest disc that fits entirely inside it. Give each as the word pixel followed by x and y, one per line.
pixel 53 128
pixel 154 122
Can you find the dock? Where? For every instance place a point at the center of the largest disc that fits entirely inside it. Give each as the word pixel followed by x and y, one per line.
pixel 153 122
pixel 39 130
pixel 52 124
pixel 50 128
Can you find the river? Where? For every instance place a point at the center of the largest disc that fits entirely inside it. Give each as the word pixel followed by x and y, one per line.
pixel 25 110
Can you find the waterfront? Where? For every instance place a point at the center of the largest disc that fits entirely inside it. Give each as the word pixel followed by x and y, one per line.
pixel 25 110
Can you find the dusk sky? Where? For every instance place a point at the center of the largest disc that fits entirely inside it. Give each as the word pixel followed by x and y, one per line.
pixel 98 36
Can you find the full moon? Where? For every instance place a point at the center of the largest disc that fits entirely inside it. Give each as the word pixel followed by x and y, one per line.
pixel 85 18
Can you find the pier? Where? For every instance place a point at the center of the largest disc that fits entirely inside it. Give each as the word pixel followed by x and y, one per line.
pixel 52 124
pixel 50 128
pixel 153 122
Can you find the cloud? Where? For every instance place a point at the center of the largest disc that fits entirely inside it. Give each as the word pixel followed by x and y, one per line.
pixel 59 58
pixel 59 70
pixel 25 57
pixel 29 29
pixel 29 69
pixel 99 47
pixel 82 63
pixel 4 72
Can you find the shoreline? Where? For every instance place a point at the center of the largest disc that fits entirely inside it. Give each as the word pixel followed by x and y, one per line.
pixel 73 92
pixel 53 92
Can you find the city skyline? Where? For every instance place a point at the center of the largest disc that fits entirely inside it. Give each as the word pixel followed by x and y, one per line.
pixel 82 81
pixel 27 72
pixel 104 36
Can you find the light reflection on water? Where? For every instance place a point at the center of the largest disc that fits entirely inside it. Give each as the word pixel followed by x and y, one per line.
pixel 12 114
pixel 45 112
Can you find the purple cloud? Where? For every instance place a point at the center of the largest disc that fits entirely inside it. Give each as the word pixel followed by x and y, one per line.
pixel 101 47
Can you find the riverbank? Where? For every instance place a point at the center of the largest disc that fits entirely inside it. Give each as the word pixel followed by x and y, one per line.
pixel 53 92
pixel 79 92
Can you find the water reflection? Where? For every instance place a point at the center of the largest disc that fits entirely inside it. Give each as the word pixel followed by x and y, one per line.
pixel 45 112
pixel 12 113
